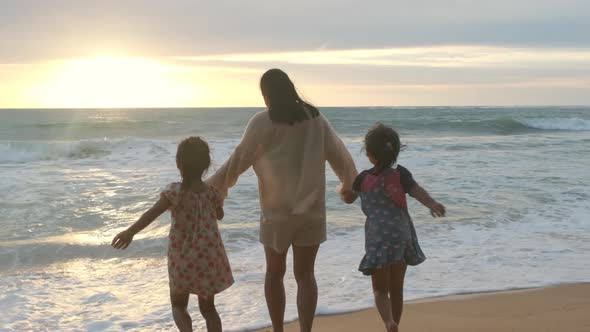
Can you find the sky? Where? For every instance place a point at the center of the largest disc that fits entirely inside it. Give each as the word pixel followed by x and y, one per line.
pixel 147 53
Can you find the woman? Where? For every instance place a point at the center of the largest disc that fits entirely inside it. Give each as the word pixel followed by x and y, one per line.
pixel 288 145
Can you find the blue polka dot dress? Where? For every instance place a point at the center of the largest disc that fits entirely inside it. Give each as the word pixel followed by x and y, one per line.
pixel 390 237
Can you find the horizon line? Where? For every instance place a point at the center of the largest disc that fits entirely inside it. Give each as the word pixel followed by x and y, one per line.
pixel 253 107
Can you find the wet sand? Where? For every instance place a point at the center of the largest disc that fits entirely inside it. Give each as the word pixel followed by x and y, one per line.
pixel 561 308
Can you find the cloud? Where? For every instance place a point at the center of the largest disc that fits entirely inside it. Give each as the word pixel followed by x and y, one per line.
pixel 436 75
pixel 33 30
pixel 452 56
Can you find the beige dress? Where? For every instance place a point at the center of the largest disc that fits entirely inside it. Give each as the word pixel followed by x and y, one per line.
pixel 290 163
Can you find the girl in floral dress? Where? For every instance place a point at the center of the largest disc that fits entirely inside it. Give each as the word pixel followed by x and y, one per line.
pixel 197 262
pixel 390 238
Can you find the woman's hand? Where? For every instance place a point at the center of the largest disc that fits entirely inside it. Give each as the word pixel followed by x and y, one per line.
pixel 348 196
pixel 122 240
pixel 437 209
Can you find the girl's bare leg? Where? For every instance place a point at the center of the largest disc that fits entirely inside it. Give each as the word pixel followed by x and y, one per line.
pixel 397 274
pixel 179 301
pixel 207 308
pixel 380 280
pixel 274 289
pixel 307 288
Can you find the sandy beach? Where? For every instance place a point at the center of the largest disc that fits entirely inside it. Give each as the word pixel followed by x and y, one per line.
pixel 561 308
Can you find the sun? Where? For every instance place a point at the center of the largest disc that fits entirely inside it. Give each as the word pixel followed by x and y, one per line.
pixel 114 82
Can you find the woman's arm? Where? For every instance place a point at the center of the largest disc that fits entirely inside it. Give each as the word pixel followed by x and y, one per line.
pixel 422 196
pixel 244 156
pixel 340 160
pixel 123 239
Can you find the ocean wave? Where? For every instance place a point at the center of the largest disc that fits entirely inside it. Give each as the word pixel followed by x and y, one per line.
pixel 570 124
pixel 26 151
pixel 34 255
pixel 128 148
pixel 23 151
pixel 89 125
pixel 501 126
pixel 39 252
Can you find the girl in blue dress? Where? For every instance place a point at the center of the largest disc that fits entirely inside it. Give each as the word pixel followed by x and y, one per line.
pixel 390 238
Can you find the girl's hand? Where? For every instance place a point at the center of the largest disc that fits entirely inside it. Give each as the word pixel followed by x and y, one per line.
pixel 122 240
pixel 437 209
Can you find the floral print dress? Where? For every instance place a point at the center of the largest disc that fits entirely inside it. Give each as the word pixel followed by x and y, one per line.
pixel 197 262
pixel 390 236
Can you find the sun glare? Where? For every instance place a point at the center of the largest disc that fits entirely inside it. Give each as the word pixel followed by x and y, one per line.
pixel 114 82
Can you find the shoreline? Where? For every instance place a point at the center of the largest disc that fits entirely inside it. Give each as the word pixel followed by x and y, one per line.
pixel 559 307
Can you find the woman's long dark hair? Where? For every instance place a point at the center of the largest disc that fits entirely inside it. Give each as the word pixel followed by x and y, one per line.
pixel 285 104
pixel 192 159
pixel 383 144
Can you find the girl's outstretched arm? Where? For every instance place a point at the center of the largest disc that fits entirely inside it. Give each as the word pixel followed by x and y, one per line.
pixel 422 196
pixel 123 239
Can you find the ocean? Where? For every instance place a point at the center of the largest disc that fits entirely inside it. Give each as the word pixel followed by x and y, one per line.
pixel 515 181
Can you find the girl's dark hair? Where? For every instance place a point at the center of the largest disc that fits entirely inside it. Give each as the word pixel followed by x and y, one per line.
pixel 383 144
pixel 285 104
pixel 192 159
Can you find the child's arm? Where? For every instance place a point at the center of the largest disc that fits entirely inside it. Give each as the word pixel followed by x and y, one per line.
pixel 350 196
pixel 123 239
pixel 422 196
pixel 218 201
pixel 219 212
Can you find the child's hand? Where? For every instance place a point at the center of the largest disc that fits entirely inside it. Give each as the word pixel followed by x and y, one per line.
pixel 122 240
pixel 348 196
pixel 437 209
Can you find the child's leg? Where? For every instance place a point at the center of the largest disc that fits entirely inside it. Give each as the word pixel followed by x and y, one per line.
pixel 207 308
pixel 380 280
pixel 397 273
pixel 179 301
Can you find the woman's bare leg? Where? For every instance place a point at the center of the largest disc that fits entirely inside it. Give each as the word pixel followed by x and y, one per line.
pixel 274 289
pixel 307 288
pixel 380 280
pixel 179 301
pixel 397 274
pixel 207 308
